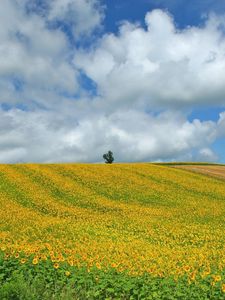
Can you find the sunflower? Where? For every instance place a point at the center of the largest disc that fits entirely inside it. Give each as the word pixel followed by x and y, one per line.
pixel 56 265
pixel 35 261
pixel 217 278
pixel 23 260
pixel 223 288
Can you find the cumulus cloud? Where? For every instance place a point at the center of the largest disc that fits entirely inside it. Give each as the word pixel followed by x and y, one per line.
pixel 142 77
pixel 159 65
pixel 48 137
pixel 83 15
pixel 31 54
pixel 221 125
pixel 206 154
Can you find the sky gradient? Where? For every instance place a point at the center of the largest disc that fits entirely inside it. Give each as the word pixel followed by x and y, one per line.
pixel 145 79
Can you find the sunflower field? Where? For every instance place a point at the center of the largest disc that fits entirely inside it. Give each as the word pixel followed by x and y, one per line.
pixel 120 231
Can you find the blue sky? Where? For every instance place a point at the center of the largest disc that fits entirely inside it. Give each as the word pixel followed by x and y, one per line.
pixel 144 79
pixel 185 12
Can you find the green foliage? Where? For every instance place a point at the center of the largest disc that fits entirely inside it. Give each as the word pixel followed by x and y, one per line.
pixel 108 157
pixel 37 282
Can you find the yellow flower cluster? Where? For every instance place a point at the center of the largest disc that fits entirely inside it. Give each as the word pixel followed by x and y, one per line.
pixel 135 217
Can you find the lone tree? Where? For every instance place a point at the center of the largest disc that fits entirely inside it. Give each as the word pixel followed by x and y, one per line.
pixel 108 157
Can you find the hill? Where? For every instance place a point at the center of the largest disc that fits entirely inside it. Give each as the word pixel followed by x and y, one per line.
pixel 134 218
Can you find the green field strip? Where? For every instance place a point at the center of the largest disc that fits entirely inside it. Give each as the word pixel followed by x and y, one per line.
pixel 113 192
pixel 169 185
pixel 76 176
pixel 187 198
pixel 87 191
pixel 77 180
pixel 83 198
pixel 172 191
pixel 62 169
pixel 48 183
pixel 40 197
pixel 165 172
pixel 193 182
pixel 125 188
pixel 14 192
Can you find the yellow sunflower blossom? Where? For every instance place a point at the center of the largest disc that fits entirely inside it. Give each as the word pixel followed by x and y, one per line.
pixel 23 260
pixel 35 261
pixel 223 288
pixel 56 265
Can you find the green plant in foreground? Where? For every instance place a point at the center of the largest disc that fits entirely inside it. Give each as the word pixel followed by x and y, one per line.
pixel 42 281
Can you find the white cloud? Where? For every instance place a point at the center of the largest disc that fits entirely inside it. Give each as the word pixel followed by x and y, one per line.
pixel 136 72
pixel 83 15
pixel 221 125
pixel 132 135
pixel 32 53
pixel 206 154
pixel 161 65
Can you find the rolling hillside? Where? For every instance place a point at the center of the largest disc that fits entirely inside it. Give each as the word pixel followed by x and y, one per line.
pixel 136 218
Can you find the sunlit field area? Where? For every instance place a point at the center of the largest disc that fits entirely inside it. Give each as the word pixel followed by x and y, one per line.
pixel 120 231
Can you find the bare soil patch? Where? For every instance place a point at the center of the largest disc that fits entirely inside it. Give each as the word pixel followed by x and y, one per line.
pixel 211 170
